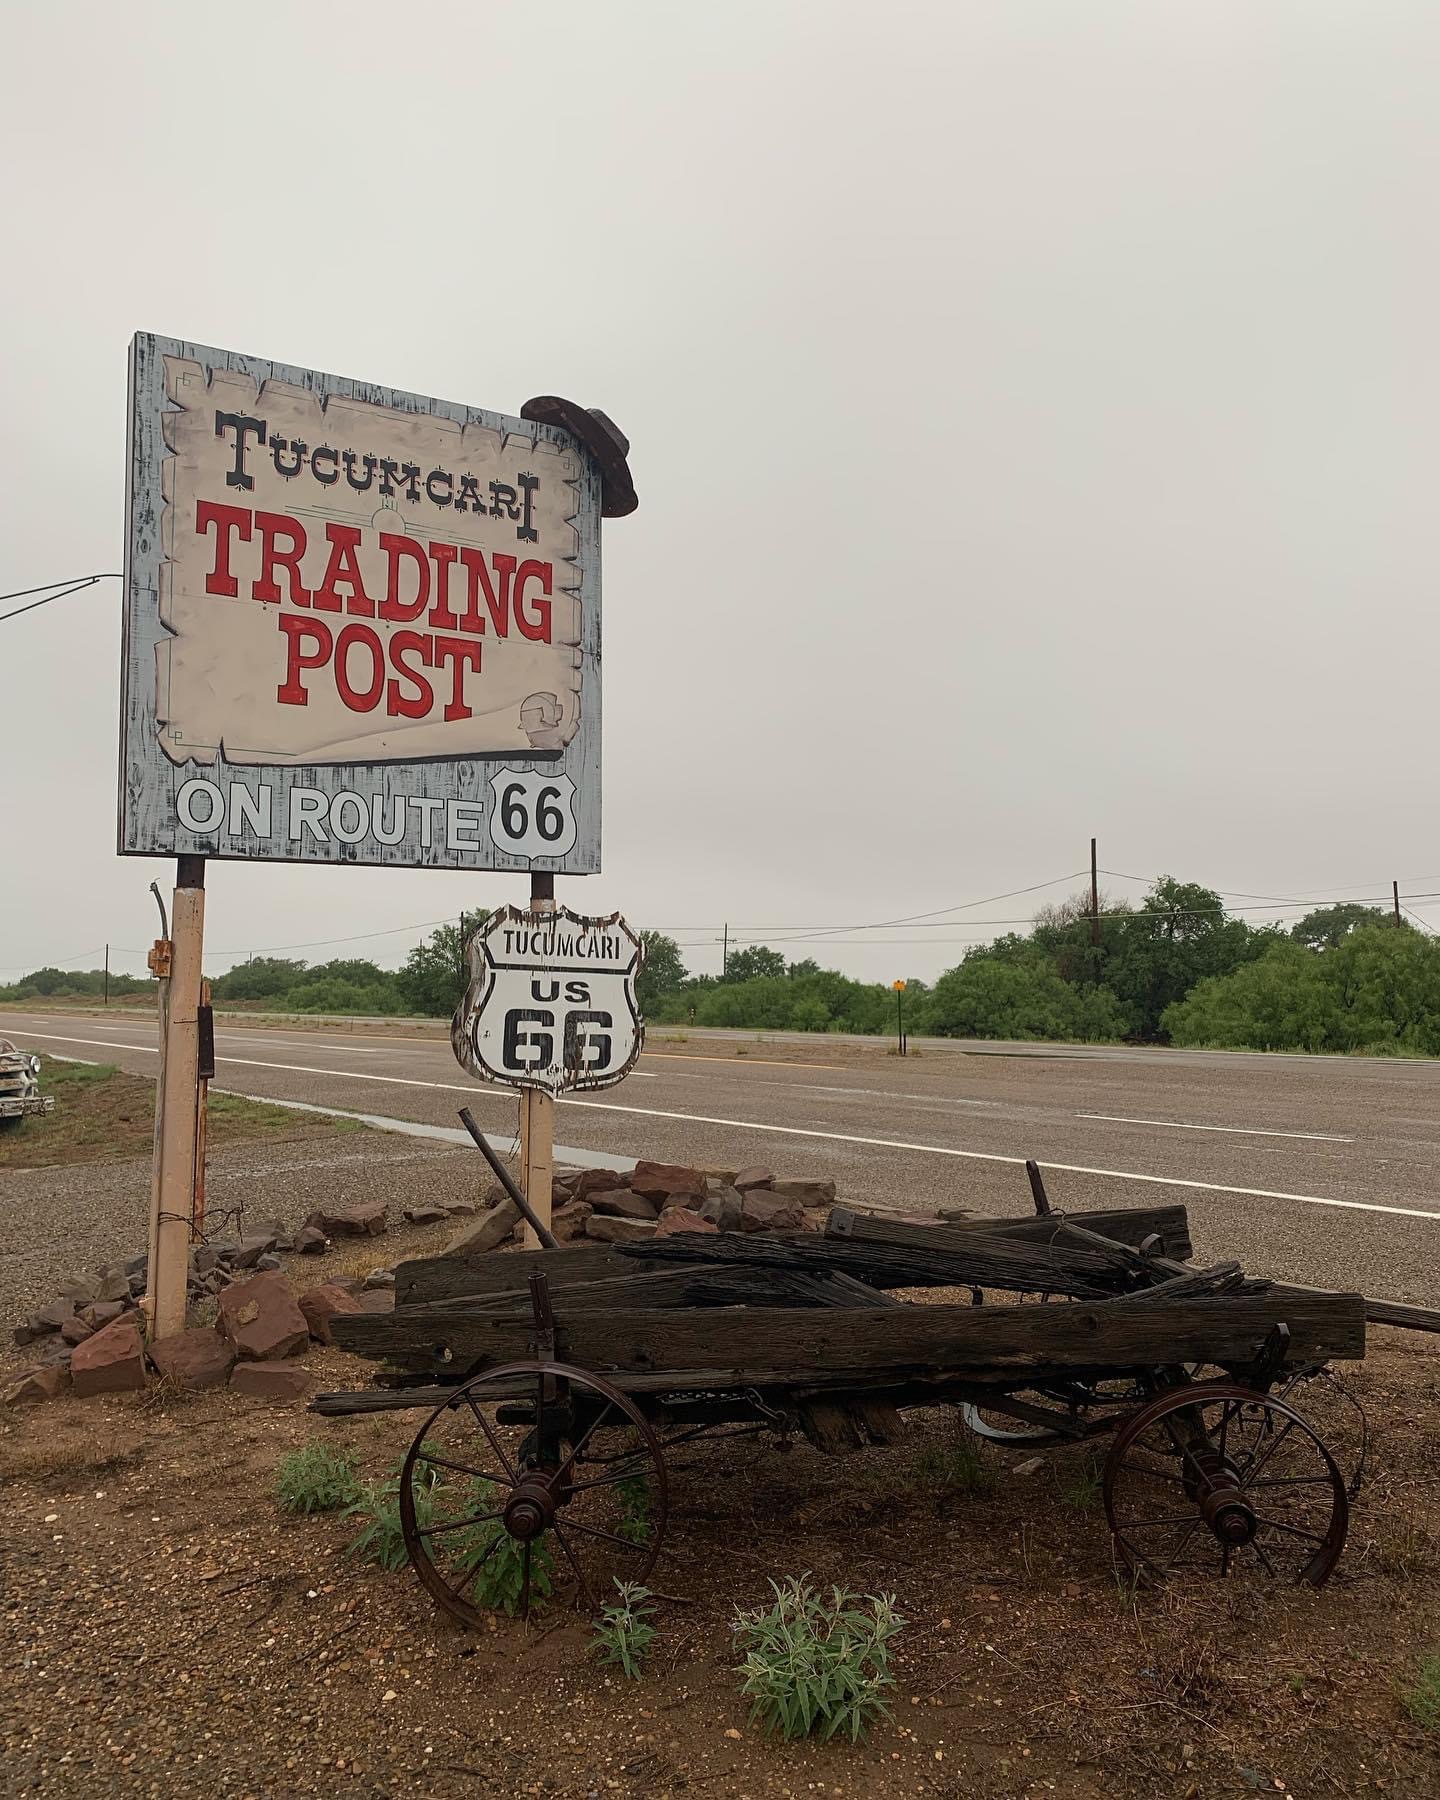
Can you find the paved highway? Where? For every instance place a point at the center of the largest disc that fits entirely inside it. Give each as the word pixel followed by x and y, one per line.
pixel 1316 1169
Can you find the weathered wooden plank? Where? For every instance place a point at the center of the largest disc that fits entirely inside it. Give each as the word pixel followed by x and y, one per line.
pixel 785 1347
pixel 1126 1225
pixel 670 1285
pixel 439 1277
pixel 929 1256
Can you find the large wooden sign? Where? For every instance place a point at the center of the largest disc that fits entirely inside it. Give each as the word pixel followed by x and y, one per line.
pixel 360 625
pixel 551 1001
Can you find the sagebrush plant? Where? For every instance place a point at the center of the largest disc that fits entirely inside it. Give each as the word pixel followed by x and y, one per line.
pixel 499 1572
pixel 624 1631
pixel 316 1478
pixel 1421 1699
pixel 381 1538
pixel 815 1662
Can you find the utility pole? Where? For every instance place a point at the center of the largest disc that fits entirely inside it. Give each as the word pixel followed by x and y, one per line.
pixel 107 974
pixel 1395 889
pixel 725 952
pixel 1094 899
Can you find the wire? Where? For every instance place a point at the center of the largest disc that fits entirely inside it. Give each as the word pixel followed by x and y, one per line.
pixel 19 594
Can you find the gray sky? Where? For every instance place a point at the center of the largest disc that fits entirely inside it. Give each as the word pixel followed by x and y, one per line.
pixel 1032 408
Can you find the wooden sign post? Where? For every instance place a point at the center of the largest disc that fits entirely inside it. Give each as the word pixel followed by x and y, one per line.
pixel 537 1109
pixel 178 1107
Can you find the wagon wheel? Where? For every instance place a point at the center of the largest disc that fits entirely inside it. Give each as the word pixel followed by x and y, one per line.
pixel 531 1480
pixel 1215 1475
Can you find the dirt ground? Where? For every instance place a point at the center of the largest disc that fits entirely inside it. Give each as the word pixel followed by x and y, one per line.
pixel 166 1630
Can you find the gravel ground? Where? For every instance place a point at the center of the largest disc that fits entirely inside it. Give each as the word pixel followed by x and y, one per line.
pixel 54 1222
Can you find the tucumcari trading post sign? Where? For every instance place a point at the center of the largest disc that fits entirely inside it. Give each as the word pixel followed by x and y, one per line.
pixel 360 625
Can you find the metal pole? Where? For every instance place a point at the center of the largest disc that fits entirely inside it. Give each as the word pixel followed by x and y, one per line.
pixel 1094 899
pixel 900 1019
pixel 1395 889
pixel 179 1118
pixel 107 974
pixel 537 1108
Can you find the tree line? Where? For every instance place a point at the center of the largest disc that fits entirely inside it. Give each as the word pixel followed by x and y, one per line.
pixel 1176 968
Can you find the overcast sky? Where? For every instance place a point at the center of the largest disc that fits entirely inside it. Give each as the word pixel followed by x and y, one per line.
pixel 1032 407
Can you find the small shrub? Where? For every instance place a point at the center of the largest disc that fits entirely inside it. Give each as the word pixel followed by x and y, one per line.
pixel 381 1539
pixel 499 1574
pixel 623 1632
pixel 316 1478
pixel 818 1664
pixel 635 1500
pixel 1421 1699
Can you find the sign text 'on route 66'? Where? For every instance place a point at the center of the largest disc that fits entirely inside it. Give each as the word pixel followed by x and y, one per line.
pixel 551 1001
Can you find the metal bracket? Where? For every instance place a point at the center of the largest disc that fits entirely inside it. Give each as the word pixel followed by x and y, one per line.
pixel 1269 1365
pixel 544 1341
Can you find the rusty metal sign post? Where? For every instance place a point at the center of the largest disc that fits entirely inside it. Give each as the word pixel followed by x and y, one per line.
pixel 361 626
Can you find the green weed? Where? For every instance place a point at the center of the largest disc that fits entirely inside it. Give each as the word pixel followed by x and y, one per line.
pixel 817 1664
pixel 316 1478
pixel 623 1632
pixel 496 1561
pixel 1079 1486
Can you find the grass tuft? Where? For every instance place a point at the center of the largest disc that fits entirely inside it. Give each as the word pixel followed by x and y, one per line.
pixel 624 1632
pixel 1421 1699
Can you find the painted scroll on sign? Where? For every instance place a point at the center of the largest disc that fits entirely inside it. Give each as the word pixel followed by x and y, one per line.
pixel 348 582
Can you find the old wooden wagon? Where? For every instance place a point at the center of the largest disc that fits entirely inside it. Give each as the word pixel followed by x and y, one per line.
pixel 556 1383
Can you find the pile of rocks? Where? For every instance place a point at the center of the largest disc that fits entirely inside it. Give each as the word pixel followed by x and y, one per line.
pixel 262 1327
pixel 655 1200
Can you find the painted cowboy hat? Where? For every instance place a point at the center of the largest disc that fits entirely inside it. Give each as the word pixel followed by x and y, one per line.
pixel 602 437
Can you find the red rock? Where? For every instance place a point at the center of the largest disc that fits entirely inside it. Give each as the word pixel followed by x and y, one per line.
pixel 753 1178
pixel 310 1240
pixel 426 1215
pixel 680 1218
pixel 193 1359
pixel 598 1181
pixel 760 1211
pixel 808 1193
pixel 36 1385
pixel 724 1207
pixel 272 1380
pixel 320 1305
pixel 75 1331
pixel 663 1181
pixel 620 1203
pixel 568 1221
pixel 375 1300
pixel 102 1312
pixel 606 1229
pixel 486 1232
pixel 111 1361
pixel 261 1319
pixel 364 1218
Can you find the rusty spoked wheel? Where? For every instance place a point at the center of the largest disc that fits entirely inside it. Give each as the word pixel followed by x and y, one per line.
pixel 529 1482
pixel 1215 1476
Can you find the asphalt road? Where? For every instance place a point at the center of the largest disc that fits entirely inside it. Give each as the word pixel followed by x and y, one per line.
pixel 1315 1169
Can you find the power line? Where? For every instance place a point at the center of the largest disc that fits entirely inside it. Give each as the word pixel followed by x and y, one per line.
pixel 20 593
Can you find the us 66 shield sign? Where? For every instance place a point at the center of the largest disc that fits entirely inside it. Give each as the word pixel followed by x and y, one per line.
pixel 551 1001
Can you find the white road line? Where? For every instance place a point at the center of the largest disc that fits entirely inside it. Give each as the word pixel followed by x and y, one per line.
pixel 829 1137
pixel 1318 1137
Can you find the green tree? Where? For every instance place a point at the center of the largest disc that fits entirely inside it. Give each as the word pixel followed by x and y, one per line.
pixel 1005 996
pixel 1327 925
pixel 435 973
pixel 662 973
pixel 262 978
pixel 745 965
